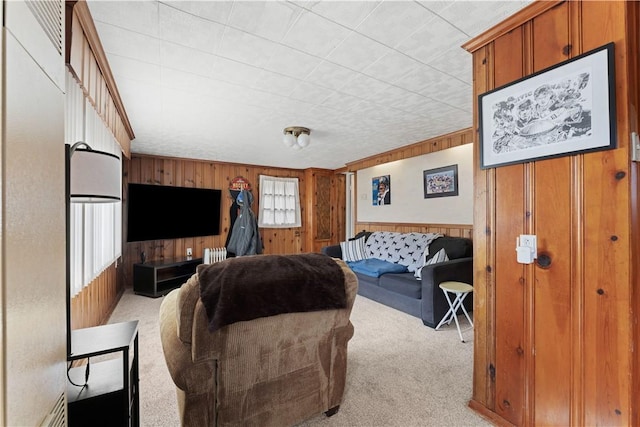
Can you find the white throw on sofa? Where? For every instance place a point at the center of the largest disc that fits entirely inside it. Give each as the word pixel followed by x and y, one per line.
pixel 403 270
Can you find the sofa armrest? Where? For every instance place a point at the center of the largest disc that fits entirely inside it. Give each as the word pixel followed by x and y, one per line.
pixel 334 251
pixel 434 303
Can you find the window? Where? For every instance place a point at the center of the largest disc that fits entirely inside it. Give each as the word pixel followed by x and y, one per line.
pixel 95 229
pixel 279 203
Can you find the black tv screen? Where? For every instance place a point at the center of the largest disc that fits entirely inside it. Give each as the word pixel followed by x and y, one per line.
pixel 156 212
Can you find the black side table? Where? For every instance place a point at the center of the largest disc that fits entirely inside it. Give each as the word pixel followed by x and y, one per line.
pixel 110 394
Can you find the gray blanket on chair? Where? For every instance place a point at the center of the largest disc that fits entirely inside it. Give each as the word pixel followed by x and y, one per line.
pixel 246 288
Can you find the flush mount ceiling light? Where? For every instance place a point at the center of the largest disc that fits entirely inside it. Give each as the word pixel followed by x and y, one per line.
pixel 296 137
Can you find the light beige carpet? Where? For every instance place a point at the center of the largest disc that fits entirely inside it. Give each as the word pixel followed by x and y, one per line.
pixel 400 372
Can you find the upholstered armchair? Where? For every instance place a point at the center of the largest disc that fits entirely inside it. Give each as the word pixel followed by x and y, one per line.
pixel 273 370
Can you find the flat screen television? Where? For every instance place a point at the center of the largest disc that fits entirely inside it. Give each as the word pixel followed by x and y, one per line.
pixel 156 212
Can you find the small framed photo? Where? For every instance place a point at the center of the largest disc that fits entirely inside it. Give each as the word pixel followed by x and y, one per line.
pixel 566 109
pixel 441 182
pixel 381 187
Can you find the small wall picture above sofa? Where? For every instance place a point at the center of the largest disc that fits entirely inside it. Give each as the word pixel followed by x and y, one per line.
pixel 381 187
pixel 403 270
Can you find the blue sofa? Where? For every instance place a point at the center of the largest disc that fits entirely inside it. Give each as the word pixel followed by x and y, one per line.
pixel 420 298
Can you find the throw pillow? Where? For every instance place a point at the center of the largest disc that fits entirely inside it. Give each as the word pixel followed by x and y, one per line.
pixel 353 250
pixel 440 256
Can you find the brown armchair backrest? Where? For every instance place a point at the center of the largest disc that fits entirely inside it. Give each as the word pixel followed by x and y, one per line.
pixel 276 370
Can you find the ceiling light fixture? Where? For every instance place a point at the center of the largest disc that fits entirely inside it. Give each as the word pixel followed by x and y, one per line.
pixel 297 137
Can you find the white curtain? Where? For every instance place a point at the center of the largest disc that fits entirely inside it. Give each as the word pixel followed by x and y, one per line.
pixel 279 202
pixel 95 229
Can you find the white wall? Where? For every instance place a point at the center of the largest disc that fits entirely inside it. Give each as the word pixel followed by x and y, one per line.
pixel 408 204
pixel 32 271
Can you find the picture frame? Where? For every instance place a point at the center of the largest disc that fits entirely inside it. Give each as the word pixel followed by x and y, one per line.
pixel 440 182
pixel 565 109
pixel 381 190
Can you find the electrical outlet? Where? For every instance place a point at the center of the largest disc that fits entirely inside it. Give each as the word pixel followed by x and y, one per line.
pixel 189 252
pixel 528 240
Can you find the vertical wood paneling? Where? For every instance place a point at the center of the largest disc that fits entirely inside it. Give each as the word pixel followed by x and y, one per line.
pixel 510 195
pixel 633 39
pixel 552 224
pixel 580 313
pixel 205 174
pixel 607 285
pixel 462 230
pixel 95 303
pixel 483 237
pixel 464 136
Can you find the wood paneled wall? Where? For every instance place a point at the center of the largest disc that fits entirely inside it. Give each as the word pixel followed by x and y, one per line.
pixel 95 303
pixel 454 230
pixel 205 174
pixel 557 344
pixel 464 136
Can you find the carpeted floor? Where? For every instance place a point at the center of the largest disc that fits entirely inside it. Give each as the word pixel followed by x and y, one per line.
pixel 400 372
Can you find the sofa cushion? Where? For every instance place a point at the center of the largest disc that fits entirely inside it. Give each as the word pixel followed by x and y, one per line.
pixel 404 284
pixel 401 248
pixel 440 256
pixel 455 247
pixel 375 267
pixel 353 250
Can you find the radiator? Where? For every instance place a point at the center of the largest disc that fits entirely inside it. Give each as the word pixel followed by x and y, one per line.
pixel 56 418
pixel 212 255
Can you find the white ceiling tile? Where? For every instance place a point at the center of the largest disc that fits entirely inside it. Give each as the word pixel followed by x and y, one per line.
pixel 347 13
pixel 268 19
pixel 189 30
pixel 137 16
pixel 362 86
pixel 269 81
pixel 133 69
pixel 393 21
pixel 246 48
pixel 183 58
pixel 456 62
pixel 341 101
pixel 330 75
pixel 292 63
pixel 431 40
pixel 365 76
pixel 119 42
pixel 474 17
pixel 358 52
pixel 314 35
pixel 392 67
pixel 235 72
pixel 460 97
pixel 310 92
pixel 216 11
pixel 436 6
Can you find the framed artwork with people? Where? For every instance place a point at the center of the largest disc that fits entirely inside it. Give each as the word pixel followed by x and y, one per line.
pixel 566 109
pixel 441 182
pixel 381 189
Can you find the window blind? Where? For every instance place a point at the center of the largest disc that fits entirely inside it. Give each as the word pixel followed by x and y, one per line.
pixel 95 229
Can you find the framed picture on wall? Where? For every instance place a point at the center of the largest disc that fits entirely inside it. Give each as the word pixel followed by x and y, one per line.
pixel 441 182
pixel 381 188
pixel 566 109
